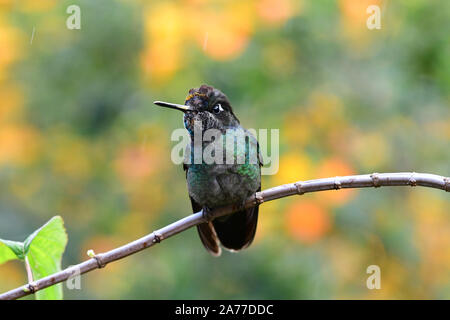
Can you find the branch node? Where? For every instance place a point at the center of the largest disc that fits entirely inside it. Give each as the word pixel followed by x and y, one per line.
pixel 412 181
pixel 157 237
pixel 375 179
pixel 337 184
pixel 299 187
pixel 32 287
pixel 100 263
pixel 259 199
pixel 97 257
pixel 447 184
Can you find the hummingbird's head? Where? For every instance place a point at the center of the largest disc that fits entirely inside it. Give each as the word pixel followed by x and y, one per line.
pixel 206 106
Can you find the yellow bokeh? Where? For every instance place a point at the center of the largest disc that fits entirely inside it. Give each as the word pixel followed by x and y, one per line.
pixel 11 101
pixel 9 46
pixel 432 235
pixel 70 156
pixel 6 4
pixel 297 130
pixel 280 58
pixel 397 281
pixel 12 274
pixel 294 166
pixel 147 198
pixel 19 144
pixel 439 128
pixel 165 30
pixel 346 258
pixel 326 111
pixel 135 224
pixel 371 150
pixel 37 6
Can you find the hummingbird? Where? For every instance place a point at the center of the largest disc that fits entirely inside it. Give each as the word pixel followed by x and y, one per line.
pixel 212 185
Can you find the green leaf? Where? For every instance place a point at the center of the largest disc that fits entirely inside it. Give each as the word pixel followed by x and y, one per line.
pixel 16 247
pixel 6 253
pixel 44 249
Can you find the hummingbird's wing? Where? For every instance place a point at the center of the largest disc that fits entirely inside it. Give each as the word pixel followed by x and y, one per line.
pixel 206 231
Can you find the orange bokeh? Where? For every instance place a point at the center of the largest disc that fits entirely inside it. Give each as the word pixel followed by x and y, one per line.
pixel 307 221
pixel 276 12
pixel 223 34
pixel 354 12
pixel 135 163
pixel 354 17
pixel 161 60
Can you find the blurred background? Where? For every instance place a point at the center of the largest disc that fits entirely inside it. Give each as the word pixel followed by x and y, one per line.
pixel 80 138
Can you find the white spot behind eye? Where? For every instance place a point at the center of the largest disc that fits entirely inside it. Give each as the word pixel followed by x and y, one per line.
pixel 218 108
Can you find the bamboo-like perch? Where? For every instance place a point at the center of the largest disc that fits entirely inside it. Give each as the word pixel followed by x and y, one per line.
pixel 301 187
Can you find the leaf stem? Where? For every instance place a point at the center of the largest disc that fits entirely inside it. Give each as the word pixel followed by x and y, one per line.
pixel 29 272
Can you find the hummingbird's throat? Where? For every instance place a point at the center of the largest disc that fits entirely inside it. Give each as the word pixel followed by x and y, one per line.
pixel 200 122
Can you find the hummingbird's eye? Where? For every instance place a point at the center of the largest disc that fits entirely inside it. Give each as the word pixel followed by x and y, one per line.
pixel 217 108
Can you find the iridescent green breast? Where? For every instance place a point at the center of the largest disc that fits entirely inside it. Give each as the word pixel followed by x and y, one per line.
pixel 220 184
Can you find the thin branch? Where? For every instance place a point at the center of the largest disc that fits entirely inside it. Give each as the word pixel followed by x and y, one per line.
pixel 298 188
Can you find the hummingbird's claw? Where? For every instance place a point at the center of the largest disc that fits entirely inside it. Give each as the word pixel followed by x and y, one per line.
pixel 207 216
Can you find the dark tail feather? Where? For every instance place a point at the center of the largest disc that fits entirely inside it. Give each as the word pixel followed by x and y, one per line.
pixel 209 238
pixel 207 233
pixel 237 231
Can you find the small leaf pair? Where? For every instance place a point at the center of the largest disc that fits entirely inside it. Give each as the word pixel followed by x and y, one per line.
pixel 43 251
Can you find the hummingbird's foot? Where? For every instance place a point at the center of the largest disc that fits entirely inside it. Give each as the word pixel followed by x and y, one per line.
pixel 207 215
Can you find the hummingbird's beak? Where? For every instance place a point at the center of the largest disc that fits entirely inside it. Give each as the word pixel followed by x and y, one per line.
pixel 175 106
